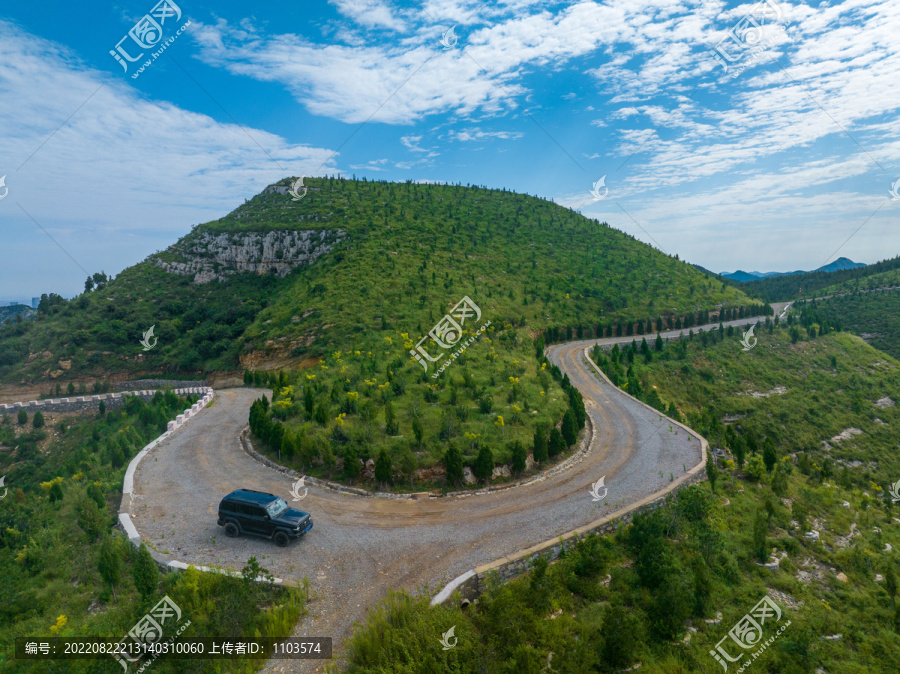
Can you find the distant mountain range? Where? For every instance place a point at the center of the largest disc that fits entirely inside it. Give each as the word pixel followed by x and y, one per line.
pixel 840 264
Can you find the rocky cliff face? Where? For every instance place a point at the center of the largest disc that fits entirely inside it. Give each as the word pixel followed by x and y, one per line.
pixel 209 257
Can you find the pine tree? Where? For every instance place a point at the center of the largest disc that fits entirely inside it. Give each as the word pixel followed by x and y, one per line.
pixel 453 464
pixel 383 472
pixel 288 445
pixel 712 473
pixel 391 427
pixel 418 430
pixel 38 420
pixel 110 562
pixel 145 573
pixel 760 530
pixel 557 443
pixel 276 435
pixel 769 455
pixel 519 456
pixel 484 464
pixel 569 433
pixel 351 464
pixel 540 444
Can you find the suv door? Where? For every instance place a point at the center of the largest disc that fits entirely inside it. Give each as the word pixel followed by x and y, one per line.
pixel 254 520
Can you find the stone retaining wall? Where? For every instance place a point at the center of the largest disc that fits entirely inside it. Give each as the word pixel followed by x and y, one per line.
pixel 82 403
pixel 160 383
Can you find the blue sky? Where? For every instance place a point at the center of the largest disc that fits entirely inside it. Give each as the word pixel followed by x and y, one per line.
pixel 784 160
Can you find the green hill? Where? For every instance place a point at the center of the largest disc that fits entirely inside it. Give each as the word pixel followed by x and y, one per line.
pixel 817 283
pixel 874 316
pixel 346 282
pixel 395 255
pixel 884 279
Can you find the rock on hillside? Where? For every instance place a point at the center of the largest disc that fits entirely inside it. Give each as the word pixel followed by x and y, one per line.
pixel 209 257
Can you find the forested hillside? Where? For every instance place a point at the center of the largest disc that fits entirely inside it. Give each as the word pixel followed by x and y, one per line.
pixel 816 284
pixel 798 510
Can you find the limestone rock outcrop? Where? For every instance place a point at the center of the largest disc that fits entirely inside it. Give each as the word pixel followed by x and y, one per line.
pixel 209 257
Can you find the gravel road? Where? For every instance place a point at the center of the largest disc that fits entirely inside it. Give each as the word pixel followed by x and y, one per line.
pixel 359 546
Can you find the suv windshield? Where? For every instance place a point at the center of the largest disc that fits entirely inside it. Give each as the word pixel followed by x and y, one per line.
pixel 276 507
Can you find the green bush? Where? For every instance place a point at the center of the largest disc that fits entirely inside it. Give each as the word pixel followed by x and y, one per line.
pixel 383 472
pixel 145 573
pixel 453 464
pixel 484 464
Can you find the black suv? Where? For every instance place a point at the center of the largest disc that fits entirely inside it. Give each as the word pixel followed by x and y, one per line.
pixel 255 512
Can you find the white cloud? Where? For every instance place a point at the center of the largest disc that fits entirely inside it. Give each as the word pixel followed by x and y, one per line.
pixel 122 168
pixel 370 13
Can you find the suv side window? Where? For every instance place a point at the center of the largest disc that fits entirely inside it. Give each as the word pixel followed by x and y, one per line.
pixel 228 506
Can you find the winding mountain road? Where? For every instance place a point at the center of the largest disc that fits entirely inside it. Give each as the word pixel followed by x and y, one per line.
pixel 361 546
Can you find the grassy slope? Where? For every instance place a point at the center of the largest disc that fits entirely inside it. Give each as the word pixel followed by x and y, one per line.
pixel 874 315
pixel 498 247
pixel 702 559
pixel 49 550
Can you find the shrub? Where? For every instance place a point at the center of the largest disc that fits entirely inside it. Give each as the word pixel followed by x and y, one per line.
pixel 484 464
pixel 145 573
pixel 383 471
pixel 22 417
pixel 769 455
pixel 351 464
pixel 91 519
pixel 540 444
pixel 38 420
pixel 569 432
pixel 557 444
pixel 756 469
pixel 56 492
pixel 519 456
pixel 712 473
pixel 454 465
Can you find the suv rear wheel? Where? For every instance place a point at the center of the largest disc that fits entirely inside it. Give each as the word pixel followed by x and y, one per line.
pixel 281 539
pixel 231 530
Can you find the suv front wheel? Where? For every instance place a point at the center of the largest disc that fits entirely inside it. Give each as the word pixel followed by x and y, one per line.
pixel 281 539
pixel 232 530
